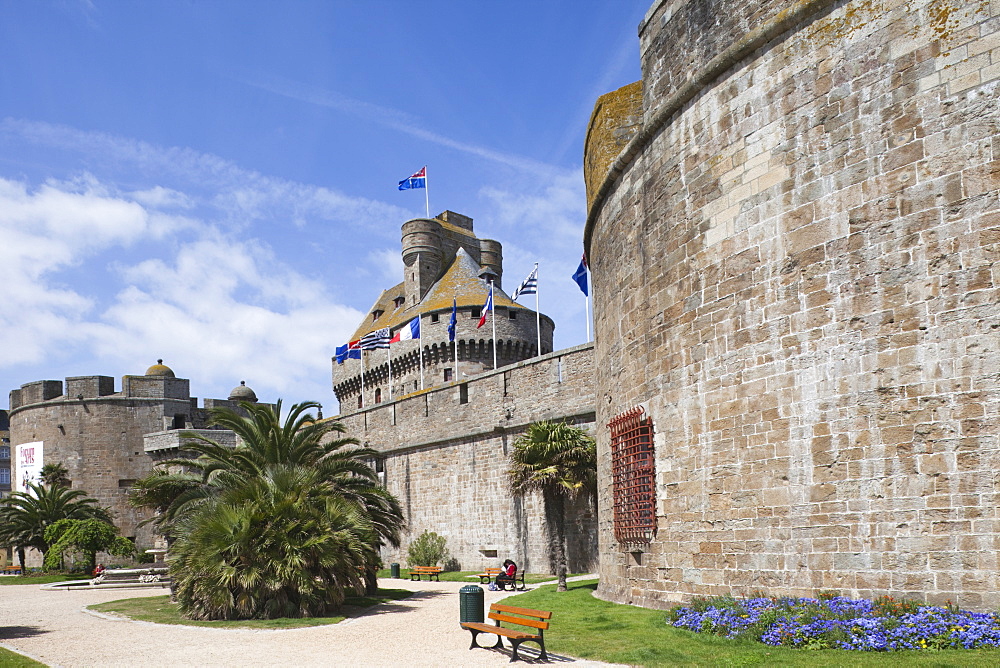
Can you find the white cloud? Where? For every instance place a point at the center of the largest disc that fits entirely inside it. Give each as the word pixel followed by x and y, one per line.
pixel 394 119
pixel 545 225
pixel 221 309
pixel 238 196
pixel 388 265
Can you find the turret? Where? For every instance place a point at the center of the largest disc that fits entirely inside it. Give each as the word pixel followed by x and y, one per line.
pixel 491 259
pixel 422 257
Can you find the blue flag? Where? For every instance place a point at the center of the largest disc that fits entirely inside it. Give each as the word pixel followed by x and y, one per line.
pixel 418 180
pixel 454 319
pixel 581 276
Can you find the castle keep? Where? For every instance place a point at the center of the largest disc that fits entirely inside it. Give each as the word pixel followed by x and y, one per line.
pixel 443 450
pixel 444 264
pixel 793 234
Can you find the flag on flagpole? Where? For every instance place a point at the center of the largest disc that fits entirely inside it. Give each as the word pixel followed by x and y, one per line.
pixel 377 339
pixel 581 276
pixel 409 331
pixel 418 180
pixel 453 321
pixel 529 286
pixel 487 307
pixel 348 351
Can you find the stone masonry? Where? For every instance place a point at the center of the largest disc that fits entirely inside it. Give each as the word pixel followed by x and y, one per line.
pixel 795 275
pixel 443 453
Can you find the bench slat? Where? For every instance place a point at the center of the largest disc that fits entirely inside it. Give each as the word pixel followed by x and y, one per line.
pixel 522 621
pixel 541 614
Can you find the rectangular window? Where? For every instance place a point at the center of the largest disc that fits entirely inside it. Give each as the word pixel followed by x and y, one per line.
pixel 447 375
pixel 434 317
pixel 4 452
pixel 4 476
pixel 126 483
pixel 179 421
pixel 512 314
pixel 633 477
pixel 463 393
pixel 477 313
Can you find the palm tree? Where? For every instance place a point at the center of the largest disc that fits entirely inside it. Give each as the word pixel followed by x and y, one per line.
pixel 282 525
pixel 24 516
pixel 560 462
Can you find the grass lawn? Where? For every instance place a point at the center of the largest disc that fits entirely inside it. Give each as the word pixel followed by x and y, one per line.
pixel 38 579
pixel 585 627
pixel 159 610
pixel 9 659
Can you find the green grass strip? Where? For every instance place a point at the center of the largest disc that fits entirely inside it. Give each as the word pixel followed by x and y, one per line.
pixel 159 610
pixel 9 659
pixel 37 579
pixel 586 627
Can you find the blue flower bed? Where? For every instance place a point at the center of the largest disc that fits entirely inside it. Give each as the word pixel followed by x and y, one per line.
pixel 835 622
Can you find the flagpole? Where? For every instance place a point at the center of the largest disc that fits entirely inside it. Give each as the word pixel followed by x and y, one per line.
pixel 427 194
pixel 362 378
pixel 538 313
pixel 420 347
pixel 586 309
pixel 389 351
pixel 454 341
pixel 493 320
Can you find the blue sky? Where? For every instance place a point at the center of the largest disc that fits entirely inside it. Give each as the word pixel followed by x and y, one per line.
pixel 214 183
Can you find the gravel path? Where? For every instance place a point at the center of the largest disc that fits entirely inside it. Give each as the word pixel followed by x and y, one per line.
pixel 423 630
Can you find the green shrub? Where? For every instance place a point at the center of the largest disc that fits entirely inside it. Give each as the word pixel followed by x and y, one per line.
pixel 428 549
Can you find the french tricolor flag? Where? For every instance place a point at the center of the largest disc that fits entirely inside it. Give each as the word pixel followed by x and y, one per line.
pixel 487 307
pixel 409 331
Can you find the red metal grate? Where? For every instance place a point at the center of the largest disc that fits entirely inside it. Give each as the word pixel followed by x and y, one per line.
pixel 633 477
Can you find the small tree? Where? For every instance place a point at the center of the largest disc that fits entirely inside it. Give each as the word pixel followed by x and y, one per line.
pixel 55 475
pixel 86 536
pixel 428 549
pixel 560 461
pixel 24 516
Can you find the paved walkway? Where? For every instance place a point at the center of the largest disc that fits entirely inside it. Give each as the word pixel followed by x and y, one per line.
pixel 423 630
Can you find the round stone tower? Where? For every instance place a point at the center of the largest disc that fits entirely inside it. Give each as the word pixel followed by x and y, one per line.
pixel 797 309
pixel 422 256
pixel 97 433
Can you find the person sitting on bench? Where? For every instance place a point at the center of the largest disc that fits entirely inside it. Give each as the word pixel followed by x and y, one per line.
pixel 506 575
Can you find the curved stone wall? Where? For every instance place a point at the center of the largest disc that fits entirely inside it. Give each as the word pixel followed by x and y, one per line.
pixel 794 275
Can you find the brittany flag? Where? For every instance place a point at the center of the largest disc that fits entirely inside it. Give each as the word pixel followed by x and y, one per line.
pixel 410 331
pixel 418 180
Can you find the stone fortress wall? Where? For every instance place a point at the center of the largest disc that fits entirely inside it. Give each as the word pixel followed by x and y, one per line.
pixel 106 439
pixel 443 453
pixel 794 263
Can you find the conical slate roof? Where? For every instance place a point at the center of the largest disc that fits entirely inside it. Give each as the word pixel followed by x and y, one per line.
pixel 460 282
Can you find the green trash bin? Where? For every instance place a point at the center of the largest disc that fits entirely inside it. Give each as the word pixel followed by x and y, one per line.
pixel 394 570
pixel 470 604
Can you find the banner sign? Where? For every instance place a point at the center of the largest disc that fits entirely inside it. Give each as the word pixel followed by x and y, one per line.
pixel 28 465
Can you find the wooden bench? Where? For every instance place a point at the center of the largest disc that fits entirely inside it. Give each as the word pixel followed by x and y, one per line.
pixel 534 619
pixel 518 577
pixel 487 575
pixel 12 570
pixel 432 572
